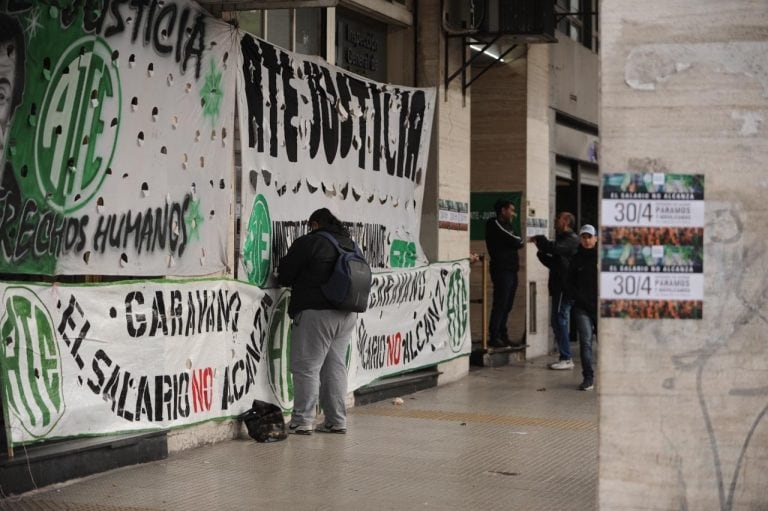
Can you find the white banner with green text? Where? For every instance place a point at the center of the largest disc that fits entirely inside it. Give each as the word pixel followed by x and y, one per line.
pixel 83 360
pixel 116 139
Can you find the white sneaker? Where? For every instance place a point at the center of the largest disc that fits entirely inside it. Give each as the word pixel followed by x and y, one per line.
pixel 562 364
pixel 296 429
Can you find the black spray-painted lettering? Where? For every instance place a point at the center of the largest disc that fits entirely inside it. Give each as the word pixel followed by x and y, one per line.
pixel 271 83
pixel 151 23
pixel 417 339
pixel 148 230
pixel 371 349
pixel 170 315
pixel 28 229
pixel 372 239
pixel 130 399
pixel 139 398
pixel 325 121
pixel 392 349
pixel 394 288
pixel 68 329
pixel 240 376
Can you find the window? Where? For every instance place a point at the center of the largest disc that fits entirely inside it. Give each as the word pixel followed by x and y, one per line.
pixel 251 22
pixel 578 19
pixel 569 24
pixel 309 30
pixel 280 27
pixel 299 30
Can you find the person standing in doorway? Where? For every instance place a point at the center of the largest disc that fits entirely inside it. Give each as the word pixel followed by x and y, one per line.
pixel 503 246
pixel 582 288
pixel 556 255
pixel 321 333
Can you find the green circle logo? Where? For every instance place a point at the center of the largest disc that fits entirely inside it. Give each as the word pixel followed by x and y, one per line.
pixel 79 119
pixel 279 353
pixel 32 363
pixel 257 248
pixel 457 309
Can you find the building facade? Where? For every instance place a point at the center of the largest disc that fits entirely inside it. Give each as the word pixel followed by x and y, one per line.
pixel 524 126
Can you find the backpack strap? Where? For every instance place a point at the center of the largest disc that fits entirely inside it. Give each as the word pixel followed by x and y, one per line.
pixel 330 237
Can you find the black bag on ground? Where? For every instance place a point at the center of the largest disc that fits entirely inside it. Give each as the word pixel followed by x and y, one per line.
pixel 349 285
pixel 264 422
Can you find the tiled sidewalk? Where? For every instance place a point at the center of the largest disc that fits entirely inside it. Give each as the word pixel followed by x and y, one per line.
pixel 514 438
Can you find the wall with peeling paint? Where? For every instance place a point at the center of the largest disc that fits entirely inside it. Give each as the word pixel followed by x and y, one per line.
pixel 684 403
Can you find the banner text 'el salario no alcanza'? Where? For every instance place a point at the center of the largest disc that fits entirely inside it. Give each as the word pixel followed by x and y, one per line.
pixel 131 356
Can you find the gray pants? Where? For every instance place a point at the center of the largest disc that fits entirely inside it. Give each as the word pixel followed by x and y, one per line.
pixel 319 342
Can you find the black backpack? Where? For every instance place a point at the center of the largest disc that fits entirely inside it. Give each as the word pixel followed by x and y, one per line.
pixel 349 285
pixel 264 422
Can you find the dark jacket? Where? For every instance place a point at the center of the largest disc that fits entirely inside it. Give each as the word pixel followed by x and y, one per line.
pixel 502 245
pixel 307 265
pixel 582 281
pixel 556 255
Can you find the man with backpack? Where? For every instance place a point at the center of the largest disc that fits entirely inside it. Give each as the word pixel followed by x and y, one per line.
pixel 327 276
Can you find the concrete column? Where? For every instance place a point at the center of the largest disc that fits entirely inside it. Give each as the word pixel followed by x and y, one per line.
pixel 684 403
pixel 540 191
pixel 448 169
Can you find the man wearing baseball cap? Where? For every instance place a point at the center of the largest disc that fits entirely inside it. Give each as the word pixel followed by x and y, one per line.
pixel 582 289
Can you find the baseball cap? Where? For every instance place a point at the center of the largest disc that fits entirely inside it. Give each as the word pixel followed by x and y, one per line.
pixel 587 229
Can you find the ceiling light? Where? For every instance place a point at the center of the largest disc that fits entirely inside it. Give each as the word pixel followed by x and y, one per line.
pixel 491 54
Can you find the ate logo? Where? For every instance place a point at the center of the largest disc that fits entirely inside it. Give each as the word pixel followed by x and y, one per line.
pixel 79 120
pixel 31 363
pixel 279 353
pixel 457 308
pixel 402 254
pixel 257 248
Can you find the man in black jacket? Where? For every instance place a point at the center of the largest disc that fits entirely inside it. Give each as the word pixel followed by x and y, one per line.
pixel 582 288
pixel 502 244
pixel 556 256
pixel 321 334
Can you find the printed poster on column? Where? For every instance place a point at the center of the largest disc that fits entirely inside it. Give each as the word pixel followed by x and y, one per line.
pixel 116 141
pixel 86 360
pixel 652 246
pixel 313 136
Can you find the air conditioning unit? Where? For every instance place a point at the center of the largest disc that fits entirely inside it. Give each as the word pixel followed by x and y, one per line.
pixel 523 21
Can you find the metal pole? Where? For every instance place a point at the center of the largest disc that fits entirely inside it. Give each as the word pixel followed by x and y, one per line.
pixel 485 302
pixel 6 417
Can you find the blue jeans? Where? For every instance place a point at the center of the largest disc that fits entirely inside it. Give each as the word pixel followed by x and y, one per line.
pixel 586 329
pixel 504 288
pixel 560 317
